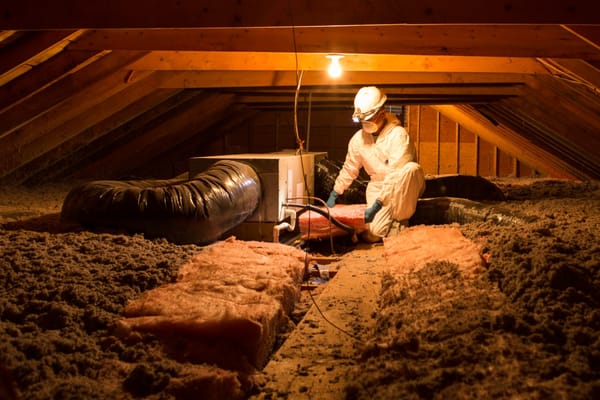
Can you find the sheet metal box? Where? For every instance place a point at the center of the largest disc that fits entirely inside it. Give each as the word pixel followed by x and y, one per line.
pixel 284 176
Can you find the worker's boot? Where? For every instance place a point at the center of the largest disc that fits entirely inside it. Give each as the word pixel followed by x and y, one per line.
pixel 397 227
pixel 369 237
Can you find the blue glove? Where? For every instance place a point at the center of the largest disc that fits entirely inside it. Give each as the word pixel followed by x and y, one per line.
pixel 332 196
pixel 371 211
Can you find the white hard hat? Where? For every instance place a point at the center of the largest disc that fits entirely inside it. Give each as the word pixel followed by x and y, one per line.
pixel 367 102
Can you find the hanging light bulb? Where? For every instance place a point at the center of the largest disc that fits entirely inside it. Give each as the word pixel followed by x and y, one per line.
pixel 335 69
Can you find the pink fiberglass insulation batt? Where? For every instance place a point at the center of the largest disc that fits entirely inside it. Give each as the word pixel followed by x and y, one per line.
pixel 227 305
pixel 316 226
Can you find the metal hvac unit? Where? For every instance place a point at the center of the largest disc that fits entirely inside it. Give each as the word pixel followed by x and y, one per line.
pixel 285 177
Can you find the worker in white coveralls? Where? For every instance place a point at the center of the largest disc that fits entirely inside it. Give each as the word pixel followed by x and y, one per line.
pixel 385 150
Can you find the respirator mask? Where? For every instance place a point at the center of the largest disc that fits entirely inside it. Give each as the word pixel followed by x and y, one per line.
pixel 370 122
pixel 369 127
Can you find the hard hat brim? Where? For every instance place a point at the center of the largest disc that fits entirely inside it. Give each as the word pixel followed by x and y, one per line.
pixel 377 107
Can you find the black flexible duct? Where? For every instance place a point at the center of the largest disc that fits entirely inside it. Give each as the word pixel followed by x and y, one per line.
pixel 197 210
pixel 454 185
pixel 470 187
pixel 448 210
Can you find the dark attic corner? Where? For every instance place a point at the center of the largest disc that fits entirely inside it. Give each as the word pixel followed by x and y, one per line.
pixel 299 200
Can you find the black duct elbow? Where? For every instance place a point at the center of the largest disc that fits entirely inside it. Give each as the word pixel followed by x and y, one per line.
pixel 198 210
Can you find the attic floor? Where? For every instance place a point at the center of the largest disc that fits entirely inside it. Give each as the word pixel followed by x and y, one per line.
pixel 314 361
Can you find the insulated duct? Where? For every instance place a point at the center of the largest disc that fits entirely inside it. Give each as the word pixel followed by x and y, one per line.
pixel 197 210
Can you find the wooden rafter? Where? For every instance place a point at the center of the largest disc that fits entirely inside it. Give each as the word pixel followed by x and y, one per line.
pixel 173 130
pixel 41 46
pixel 267 61
pixel 508 140
pixel 576 70
pixel 81 149
pixel 506 40
pixel 270 79
pixel 66 89
pixel 72 116
pixel 18 90
pixel 31 14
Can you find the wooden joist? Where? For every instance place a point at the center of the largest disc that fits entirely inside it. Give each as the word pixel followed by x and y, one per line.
pixel 31 14
pixel 494 40
pixel 274 79
pixel 281 61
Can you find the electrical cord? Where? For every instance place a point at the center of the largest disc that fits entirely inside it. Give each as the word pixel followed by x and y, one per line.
pixel 350 335
pixel 320 212
pixel 300 144
pixel 299 141
pixel 332 220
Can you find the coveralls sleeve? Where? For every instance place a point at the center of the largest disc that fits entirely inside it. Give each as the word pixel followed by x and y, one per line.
pixel 401 151
pixel 351 168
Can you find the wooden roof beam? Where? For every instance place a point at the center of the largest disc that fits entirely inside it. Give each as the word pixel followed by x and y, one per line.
pixel 70 155
pixel 550 135
pixel 9 36
pixel 509 141
pixel 180 125
pixel 589 34
pixel 391 92
pixel 44 75
pixel 72 116
pixel 264 61
pixel 575 70
pixel 51 97
pixel 237 119
pixel 32 14
pixel 32 50
pixel 575 134
pixel 270 79
pixel 497 40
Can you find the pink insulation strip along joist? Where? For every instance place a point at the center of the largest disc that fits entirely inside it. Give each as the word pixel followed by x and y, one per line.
pixel 227 305
pixel 414 248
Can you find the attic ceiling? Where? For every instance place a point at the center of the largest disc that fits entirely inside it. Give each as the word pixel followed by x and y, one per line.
pixel 524 77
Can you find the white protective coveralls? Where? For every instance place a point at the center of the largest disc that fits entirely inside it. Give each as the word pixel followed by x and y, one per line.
pixel 396 179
